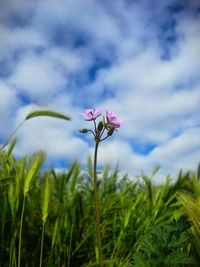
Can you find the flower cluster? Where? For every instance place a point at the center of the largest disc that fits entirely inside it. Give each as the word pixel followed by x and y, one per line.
pixel 105 127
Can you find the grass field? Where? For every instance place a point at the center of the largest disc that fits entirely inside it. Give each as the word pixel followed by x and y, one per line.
pixel 48 218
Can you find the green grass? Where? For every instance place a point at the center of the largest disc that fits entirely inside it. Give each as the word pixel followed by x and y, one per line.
pixel 48 219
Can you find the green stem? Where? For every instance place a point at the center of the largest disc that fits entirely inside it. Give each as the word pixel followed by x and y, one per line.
pixel 42 242
pixel 70 246
pixel 20 232
pixel 9 138
pixel 11 252
pixel 97 206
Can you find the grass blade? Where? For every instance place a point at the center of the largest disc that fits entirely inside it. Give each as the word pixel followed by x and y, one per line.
pixel 48 113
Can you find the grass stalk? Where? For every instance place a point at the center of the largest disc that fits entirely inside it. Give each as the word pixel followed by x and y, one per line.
pixel 20 232
pixel 42 244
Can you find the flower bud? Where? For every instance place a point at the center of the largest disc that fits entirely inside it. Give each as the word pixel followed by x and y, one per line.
pixel 84 130
pixel 100 126
pixel 111 131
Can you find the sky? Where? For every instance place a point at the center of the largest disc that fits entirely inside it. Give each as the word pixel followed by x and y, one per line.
pixel 137 58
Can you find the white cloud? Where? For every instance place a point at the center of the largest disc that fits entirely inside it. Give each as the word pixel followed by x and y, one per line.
pixel 157 99
pixel 70 61
pixel 20 7
pixel 9 102
pixel 71 14
pixel 179 147
pixel 37 77
pixel 12 39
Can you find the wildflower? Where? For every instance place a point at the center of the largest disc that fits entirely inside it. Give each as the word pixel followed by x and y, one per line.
pixel 112 119
pixel 104 129
pixel 90 114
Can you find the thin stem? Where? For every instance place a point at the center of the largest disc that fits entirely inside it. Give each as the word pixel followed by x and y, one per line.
pixel 70 247
pixel 91 132
pixel 12 252
pixel 95 127
pixel 42 242
pixel 104 138
pixel 8 140
pixel 102 132
pixel 20 232
pixel 97 206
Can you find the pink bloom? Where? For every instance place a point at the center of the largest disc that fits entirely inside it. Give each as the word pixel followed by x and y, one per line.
pixel 90 114
pixel 112 120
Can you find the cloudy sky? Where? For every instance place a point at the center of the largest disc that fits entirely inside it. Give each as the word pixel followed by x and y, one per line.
pixel 138 58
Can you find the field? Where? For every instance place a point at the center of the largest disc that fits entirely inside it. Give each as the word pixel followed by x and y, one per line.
pixel 48 218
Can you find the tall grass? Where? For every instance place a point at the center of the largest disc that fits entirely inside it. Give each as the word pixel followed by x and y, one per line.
pixel 46 218
pixel 45 196
pixel 191 203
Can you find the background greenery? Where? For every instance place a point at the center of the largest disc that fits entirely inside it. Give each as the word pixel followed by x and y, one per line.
pixel 48 218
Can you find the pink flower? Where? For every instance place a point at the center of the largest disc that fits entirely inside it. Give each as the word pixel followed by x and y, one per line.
pixel 90 114
pixel 112 119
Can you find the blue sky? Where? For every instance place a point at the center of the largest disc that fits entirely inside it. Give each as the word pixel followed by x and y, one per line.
pixel 140 59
